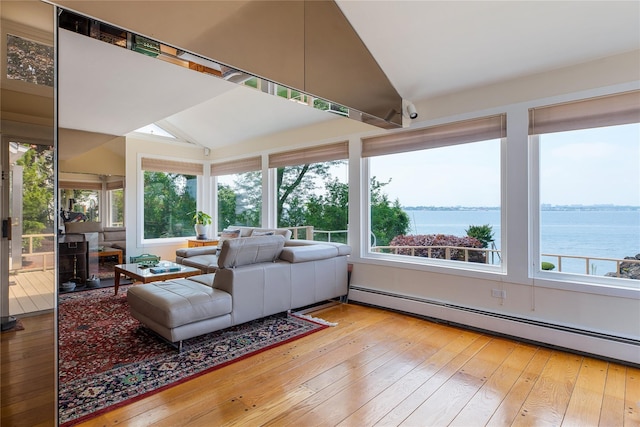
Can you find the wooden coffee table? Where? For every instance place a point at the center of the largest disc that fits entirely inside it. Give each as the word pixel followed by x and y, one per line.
pixel 145 275
pixel 110 252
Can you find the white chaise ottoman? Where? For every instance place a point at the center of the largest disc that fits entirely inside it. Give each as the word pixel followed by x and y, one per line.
pixel 180 309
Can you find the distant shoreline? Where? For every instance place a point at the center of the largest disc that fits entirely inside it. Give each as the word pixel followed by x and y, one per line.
pixel 543 208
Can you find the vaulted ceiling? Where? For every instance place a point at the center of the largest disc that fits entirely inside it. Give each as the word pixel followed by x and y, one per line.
pixel 426 49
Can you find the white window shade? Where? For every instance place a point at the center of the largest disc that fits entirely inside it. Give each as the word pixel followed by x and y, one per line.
pixel 115 185
pixel 78 185
pixel 323 153
pixel 462 132
pixel 236 166
pixel 171 166
pixel 611 110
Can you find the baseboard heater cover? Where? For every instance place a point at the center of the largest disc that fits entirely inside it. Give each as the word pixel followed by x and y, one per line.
pixel 622 349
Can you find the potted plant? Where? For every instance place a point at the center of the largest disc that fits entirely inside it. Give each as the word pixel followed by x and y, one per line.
pixel 201 219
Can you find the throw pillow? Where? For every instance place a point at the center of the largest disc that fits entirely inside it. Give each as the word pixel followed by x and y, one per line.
pixel 227 234
pixel 262 233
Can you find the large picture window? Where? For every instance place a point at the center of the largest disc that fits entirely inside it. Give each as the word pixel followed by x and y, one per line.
pixel 589 187
pixel 239 185
pixel 435 193
pixel 170 198
pixel 313 192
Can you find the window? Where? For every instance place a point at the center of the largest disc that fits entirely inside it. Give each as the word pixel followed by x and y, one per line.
pixel 435 193
pixel 80 200
pixel 115 204
pixel 170 197
pixel 116 207
pixel 29 61
pixel 239 192
pixel 589 187
pixel 313 191
pixel 154 129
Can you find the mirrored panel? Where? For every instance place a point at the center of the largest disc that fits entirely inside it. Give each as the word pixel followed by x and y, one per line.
pixel 28 213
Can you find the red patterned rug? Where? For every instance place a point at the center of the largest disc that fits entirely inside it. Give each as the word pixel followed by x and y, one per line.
pixel 108 359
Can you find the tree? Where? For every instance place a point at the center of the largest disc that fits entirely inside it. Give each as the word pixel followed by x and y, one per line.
pixel 117 206
pixel 330 211
pixel 300 203
pixel 484 233
pixel 295 186
pixel 168 204
pixel 388 220
pixel 241 204
pixel 37 195
pixel 226 206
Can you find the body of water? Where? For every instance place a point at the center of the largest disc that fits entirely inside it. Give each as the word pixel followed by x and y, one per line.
pixel 593 233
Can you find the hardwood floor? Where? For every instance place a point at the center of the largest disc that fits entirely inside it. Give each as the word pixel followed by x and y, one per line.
pixel 382 368
pixel 27 373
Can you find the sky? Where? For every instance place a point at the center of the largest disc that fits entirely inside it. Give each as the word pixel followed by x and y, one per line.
pixel 593 166
pixel 584 167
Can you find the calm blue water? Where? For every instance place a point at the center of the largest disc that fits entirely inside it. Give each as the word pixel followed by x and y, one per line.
pixel 606 234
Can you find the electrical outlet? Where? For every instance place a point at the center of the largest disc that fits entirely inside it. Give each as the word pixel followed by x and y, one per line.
pixel 498 293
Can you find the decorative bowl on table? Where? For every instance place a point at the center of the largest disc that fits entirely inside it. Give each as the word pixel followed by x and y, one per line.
pixel 93 282
pixel 147 264
pixel 67 286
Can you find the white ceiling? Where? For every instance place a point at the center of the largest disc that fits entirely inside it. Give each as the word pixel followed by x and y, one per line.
pixel 426 48
pixel 430 48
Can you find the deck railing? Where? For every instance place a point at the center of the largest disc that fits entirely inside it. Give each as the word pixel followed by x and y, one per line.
pixel 30 252
pixel 447 251
pixel 589 267
pixel 309 232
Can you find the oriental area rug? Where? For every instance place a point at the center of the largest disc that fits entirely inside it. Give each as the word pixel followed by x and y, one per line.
pixel 108 359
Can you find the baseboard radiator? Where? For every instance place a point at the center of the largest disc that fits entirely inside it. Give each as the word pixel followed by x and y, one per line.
pixel 621 349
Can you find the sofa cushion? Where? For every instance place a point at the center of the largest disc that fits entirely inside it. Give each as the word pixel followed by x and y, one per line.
pixel 205 279
pixel 122 245
pixel 113 234
pixel 82 227
pixel 228 234
pixel 250 250
pixel 204 263
pixel 295 254
pixel 284 232
pixel 178 302
pixel 341 247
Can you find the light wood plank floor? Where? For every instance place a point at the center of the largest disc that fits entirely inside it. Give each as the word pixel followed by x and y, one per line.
pixel 31 291
pixel 27 374
pixel 382 368
pixel 386 369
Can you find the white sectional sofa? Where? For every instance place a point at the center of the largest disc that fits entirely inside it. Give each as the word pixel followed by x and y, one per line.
pixel 255 277
pixel 108 237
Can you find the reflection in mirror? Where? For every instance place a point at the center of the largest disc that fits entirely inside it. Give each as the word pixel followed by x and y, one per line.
pixel 93 198
pixel 27 253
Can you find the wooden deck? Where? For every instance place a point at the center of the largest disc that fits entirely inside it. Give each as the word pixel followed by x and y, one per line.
pixel 31 292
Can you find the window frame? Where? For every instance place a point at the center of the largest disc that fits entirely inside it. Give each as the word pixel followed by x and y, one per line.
pixel 434 264
pixel 200 180
pixel 34 35
pixel 322 153
pixel 234 167
pixel 536 271
pixel 573 119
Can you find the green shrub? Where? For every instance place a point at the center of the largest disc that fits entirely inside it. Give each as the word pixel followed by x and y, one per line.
pixel 484 233
pixel 547 266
